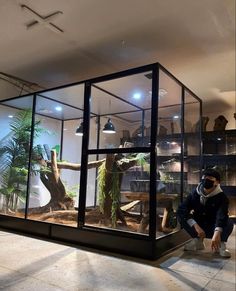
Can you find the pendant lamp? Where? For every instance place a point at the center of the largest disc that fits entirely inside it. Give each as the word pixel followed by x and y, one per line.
pixel 109 127
pixel 79 130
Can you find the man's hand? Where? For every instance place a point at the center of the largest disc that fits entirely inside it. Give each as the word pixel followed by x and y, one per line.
pixel 216 241
pixel 200 231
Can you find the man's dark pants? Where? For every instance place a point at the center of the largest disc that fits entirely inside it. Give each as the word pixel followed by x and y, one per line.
pixel 209 229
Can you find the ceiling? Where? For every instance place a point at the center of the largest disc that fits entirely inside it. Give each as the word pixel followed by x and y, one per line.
pixel 195 40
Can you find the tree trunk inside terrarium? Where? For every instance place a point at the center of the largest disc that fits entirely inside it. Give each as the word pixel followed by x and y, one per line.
pixel 60 200
pixel 108 208
pixel 115 165
pixel 52 181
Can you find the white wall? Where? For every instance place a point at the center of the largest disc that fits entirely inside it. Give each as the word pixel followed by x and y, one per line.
pixel 71 153
pixel 39 195
pixel 4 120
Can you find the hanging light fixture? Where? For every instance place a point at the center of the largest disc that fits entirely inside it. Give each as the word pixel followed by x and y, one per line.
pixel 109 127
pixel 79 130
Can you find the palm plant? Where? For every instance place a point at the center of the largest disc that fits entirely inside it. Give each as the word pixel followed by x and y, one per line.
pixel 14 159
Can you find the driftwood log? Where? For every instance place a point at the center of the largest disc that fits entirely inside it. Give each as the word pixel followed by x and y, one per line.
pixel 60 202
pixel 52 181
pixel 121 166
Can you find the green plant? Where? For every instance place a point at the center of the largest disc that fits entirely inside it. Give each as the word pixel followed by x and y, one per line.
pixel 14 158
pixel 101 186
pixel 71 191
pixel 112 190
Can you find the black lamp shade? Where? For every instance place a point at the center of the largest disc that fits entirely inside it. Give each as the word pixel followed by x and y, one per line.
pixel 79 130
pixel 109 127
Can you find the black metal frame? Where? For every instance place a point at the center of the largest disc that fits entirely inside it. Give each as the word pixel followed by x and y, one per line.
pixel 140 245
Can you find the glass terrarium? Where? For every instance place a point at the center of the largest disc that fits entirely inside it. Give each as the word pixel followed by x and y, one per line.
pixel 104 162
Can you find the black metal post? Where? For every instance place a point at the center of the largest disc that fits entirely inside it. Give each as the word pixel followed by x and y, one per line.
pixel 182 147
pixel 200 138
pixel 62 137
pixel 153 157
pixel 84 157
pixel 143 118
pixel 30 155
pixel 97 155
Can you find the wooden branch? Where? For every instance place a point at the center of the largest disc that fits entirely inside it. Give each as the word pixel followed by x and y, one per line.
pixel 109 162
pixel 60 214
pixel 124 165
pixel 54 165
pixel 77 167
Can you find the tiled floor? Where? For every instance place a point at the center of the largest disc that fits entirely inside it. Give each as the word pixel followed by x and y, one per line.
pixel 32 264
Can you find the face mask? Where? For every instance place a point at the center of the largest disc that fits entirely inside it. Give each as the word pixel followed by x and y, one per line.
pixel 207 183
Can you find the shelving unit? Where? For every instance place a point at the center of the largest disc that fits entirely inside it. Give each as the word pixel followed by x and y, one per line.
pixel 219 151
pixel 169 157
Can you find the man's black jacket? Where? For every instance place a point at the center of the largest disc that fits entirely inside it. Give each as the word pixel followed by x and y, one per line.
pixel 214 212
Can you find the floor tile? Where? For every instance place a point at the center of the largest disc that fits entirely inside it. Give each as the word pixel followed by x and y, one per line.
pixel 217 285
pixel 33 264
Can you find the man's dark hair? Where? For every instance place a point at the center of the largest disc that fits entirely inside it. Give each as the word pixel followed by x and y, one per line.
pixel 212 173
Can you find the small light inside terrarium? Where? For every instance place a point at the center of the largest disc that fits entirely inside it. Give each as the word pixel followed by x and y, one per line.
pixel 137 95
pixel 10 116
pixel 58 108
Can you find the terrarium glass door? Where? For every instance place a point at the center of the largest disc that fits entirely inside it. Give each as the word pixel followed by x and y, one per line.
pixel 118 178
pixel 55 175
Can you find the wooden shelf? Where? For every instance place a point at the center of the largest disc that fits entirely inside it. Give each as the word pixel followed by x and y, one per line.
pixel 144 196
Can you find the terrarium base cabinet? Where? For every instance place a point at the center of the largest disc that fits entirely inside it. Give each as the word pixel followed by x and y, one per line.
pixel 131 245
pixel 71 171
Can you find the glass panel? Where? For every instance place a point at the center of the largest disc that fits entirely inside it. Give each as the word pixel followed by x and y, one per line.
pixel 168 150
pixel 192 143
pixel 126 102
pixel 71 95
pixel 118 192
pixel 15 134
pixel 219 153
pixel 231 143
pixel 55 177
pixel 218 143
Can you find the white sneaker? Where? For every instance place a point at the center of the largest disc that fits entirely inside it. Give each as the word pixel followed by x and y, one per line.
pixel 196 244
pixel 223 251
